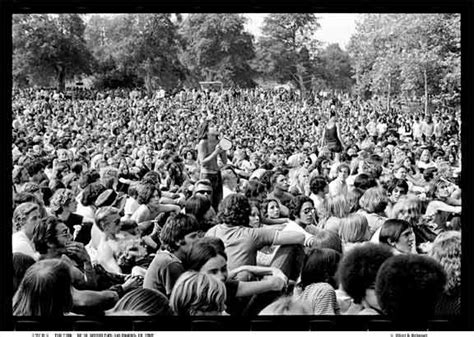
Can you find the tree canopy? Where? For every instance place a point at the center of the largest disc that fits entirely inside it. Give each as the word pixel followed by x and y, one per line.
pixel 408 55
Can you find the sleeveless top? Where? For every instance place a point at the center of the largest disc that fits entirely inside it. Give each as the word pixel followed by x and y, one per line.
pixel 331 135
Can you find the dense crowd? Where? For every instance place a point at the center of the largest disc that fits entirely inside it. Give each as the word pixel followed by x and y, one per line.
pixel 239 202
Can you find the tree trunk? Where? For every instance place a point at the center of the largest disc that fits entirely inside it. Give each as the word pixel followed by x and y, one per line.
pixel 426 91
pixel 61 77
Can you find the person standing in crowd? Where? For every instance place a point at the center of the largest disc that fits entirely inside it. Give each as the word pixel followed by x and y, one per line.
pixel 208 151
pixel 332 136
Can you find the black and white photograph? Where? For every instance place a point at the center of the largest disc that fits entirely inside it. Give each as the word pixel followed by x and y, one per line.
pixel 210 167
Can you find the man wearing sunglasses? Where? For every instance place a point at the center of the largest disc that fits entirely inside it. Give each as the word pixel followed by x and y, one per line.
pixel 203 187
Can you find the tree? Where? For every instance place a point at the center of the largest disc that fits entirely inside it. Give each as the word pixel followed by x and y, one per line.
pixel 334 67
pixel 154 52
pixel 216 47
pixel 408 54
pixel 287 48
pixel 136 49
pixel 47 48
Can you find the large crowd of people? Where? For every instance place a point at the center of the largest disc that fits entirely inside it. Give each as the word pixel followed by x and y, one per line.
pixel 237 202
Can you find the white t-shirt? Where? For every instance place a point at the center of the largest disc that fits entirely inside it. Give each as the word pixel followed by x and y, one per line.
pixel 21 244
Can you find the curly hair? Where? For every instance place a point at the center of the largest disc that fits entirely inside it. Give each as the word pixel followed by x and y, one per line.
pixel 409 286
pixel 358 268
pixel 446 249
pixel 62 197
pixel 177 226
pixel 235 210
pixel 196 293
pixel 295 205
pixel 145 191
pixel 317 184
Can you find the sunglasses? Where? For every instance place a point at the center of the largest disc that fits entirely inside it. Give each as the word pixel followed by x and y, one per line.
pixel 308 210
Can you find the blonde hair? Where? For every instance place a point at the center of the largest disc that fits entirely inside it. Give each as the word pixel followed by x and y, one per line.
pixel 374 200
pixel 354 228
pixel 446 249
pixel 407 208
pixel 338 205
pixel 195 293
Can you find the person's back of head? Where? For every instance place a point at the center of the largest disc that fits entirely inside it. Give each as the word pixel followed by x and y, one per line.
pixel 45 290
pixel 374 200
pixel 327 239
pixel 197 205
pixel 235 210
pixel 198 294
pixel 142 301
pixel 409 286
pixel 354 228
pixel 364 181
pixel 21 263
pixel 203 250
pixel 358 269
pixel 318 184
pixel 320 266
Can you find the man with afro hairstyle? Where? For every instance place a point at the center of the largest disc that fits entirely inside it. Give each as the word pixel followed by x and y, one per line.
pixel 357 272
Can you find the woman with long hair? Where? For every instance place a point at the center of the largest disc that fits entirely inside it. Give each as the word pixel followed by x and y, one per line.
pixel 318 282
pixel 332 136
pixel 45 290
pixel 198 294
